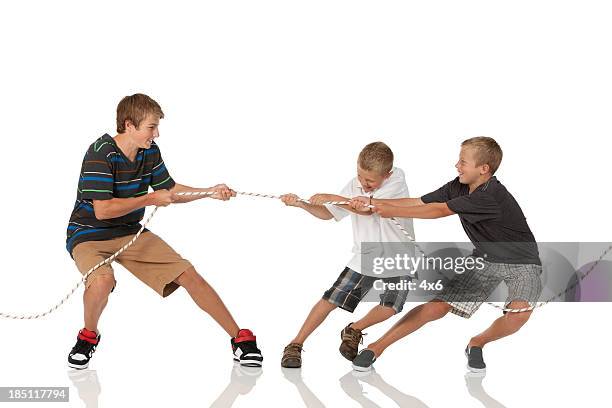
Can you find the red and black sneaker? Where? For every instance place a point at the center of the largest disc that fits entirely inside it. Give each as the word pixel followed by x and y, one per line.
pixel 244 348
pixel 81 353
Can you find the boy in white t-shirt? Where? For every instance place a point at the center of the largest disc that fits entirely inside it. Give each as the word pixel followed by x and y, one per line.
pixel 376 177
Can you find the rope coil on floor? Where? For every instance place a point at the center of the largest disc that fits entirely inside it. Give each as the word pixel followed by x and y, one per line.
pixel 197 193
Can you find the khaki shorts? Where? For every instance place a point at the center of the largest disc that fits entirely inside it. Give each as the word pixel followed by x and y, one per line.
pixel 150 259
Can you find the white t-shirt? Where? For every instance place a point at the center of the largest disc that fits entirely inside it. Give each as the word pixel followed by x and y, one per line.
pixel 373 228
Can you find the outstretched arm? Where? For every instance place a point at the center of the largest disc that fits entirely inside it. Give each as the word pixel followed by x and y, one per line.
pixel 431 210
pixel 318 211
pixel 361 204
pixel 400 202
pixel 315 205
pixel 221 192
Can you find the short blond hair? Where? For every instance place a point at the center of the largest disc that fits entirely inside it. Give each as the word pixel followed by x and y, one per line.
pixel 135 108
pixel 487 151
pixel 376 156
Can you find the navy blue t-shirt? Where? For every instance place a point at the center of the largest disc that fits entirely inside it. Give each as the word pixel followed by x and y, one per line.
pixel 492 219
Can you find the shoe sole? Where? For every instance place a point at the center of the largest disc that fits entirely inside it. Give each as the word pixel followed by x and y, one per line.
pixel 476 370
pixel 248 363
pixel 362 369
pixel 78 367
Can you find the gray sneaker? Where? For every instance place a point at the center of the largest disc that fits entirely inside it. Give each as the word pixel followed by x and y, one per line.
pixel 475 361
pixel 364 360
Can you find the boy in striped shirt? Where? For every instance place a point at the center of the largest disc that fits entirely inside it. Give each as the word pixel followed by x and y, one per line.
pixel 113 192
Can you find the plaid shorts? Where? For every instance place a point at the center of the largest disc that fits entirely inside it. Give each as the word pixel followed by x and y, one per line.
pixel 466 292
pixel 351 287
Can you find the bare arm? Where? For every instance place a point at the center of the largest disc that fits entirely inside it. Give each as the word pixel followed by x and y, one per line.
pixel 319 211
pixel 117 207
pixel 431 210
pixel 221 191
pixel 400 202
pixel 320 199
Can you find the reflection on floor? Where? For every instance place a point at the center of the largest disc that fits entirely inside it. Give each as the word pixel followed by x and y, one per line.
pixel 87 384
pixel 242 381
pixel 473 381
pixel 350 383
pixel 294 376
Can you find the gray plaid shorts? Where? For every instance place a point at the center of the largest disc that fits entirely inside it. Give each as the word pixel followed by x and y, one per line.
pixel 466 292
pixel 351 287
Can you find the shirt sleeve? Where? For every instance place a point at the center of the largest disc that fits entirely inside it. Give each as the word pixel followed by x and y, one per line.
pixel 339 212
pixel 440 195
pixel 96 181
pixel 475 207
pixel 160 177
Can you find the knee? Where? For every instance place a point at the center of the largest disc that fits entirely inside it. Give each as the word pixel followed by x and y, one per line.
pixel 101 285
pixel 325 305
pixel 435 310
pixel 519 318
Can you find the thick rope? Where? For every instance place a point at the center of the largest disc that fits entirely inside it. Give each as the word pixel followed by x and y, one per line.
pixel 198 193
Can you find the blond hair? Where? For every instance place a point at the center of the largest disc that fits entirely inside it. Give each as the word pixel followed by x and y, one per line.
pixel 135 108
pixel 487 151
pixel 376 156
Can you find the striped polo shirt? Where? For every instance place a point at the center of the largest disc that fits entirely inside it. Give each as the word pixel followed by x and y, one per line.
pixel 107 173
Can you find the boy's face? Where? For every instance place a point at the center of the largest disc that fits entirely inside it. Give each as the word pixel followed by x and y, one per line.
pixel 370 180
pixel 144 134
pixel 469 172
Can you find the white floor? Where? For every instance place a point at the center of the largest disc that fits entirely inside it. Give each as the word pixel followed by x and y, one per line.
pixel 560 359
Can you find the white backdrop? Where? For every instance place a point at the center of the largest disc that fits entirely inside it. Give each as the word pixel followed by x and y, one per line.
pixel 280 96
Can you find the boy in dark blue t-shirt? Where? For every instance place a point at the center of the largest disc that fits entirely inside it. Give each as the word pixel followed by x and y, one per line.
pixel 112 194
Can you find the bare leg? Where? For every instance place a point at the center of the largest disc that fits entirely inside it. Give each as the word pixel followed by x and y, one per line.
pixel 316 316
pixel 95 299
pixel 504 326
pixel 412 321
pixel 208 300
pixel 376 315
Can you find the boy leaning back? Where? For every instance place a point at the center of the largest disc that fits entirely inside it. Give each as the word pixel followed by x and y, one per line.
pixel 113 192
pixel 497 228
pixel 376 177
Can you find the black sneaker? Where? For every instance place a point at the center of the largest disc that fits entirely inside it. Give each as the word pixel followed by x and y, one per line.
pixel 475 362
pixel 364 360
pixel 351 338
pixel 83 350
pixel 244 348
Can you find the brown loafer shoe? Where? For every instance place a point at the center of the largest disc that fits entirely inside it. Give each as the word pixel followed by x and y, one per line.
pixel 292 356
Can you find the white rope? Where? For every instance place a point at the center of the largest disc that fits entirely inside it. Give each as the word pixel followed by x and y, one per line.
pixel 198 193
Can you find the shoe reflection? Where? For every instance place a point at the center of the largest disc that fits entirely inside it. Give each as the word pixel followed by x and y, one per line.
pixel 242 381
pixel 350 383
pixel 473 381
pixel 87 385
pixel 294 376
